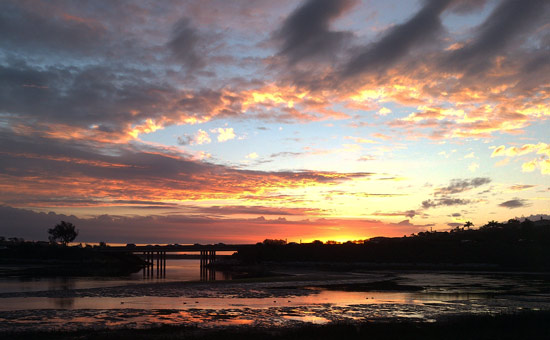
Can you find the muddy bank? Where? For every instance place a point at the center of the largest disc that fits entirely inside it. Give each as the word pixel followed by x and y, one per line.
pixel 520 325
pixel 286 301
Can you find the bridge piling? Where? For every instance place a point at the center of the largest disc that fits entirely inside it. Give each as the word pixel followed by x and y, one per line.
pixel 151 264
pixel 150 253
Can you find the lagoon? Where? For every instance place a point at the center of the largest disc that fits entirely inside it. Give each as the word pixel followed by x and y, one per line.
pixel 292 296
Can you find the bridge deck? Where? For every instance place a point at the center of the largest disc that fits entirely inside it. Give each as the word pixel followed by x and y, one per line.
pixel 177 248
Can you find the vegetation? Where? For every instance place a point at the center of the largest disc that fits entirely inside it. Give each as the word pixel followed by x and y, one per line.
pixel 64 231
pixel 45 259
pixel 515 244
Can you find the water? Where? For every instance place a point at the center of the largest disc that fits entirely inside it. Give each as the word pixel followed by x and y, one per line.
pixel 176 270
pixel 138 302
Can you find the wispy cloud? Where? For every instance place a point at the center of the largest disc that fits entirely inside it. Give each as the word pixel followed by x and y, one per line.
pixel 445 201
pixel 514 203
pixel 461 185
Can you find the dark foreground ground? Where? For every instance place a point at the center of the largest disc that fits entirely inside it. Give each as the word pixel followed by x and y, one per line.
pixel 523 325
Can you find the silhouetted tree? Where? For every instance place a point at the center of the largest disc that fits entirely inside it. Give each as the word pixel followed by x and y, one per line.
pixel 273 242
pixel 64 232
pixel 468 224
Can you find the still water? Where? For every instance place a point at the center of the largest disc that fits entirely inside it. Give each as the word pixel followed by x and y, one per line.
pixel 300 296
pixel 176 270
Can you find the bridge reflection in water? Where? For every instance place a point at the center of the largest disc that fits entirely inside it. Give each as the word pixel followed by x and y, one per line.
pixel 149 266
pixel 155 257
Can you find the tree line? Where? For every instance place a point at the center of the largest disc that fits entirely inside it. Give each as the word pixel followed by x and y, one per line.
pixel 512 244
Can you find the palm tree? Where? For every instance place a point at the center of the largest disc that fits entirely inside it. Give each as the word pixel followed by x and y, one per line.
pixel 468 224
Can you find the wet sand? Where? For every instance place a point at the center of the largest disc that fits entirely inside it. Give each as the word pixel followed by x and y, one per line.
pixel 289 300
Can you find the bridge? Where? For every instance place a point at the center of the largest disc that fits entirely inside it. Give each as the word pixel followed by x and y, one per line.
pixel 150 253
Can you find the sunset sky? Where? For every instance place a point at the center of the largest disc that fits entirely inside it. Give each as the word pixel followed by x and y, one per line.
pixel 235 121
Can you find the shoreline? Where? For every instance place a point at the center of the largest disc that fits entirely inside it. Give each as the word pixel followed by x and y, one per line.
pixel 268 303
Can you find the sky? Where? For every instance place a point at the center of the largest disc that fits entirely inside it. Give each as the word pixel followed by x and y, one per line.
pixel 235 121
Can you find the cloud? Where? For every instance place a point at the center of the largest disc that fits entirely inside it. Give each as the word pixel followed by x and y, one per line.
pixel 461 185
pixel 177 228
pixel 184 44
pixel 507 22
pixel 366 158
pixel 305 34
pixel 255 210
pixel 521 187
pixel 514 203
pixel 224 134
pixel 201 137
pixel 408 213
pixel 252 155
pixel 542 162
pixel 540 148
pixel 94 100
pixel 467 6
pixel 444 201
pixel 132 172
pixel 399 41
pixel 104 76
pixel 384 111
pixel 473 167
pixel 285 154
pixel 361 140
pixel 24 27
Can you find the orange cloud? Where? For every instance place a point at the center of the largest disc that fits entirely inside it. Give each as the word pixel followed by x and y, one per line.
pixel 540 148
pixel 542 163
pixel 189 229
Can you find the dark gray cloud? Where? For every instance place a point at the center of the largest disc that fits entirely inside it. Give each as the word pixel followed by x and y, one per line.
pixel 80 96
pixel 461 185
pixel 467 6
pixel 508 21
pixel 305 34
pixel 444 201
pixel 185 140
pixel 185 44
pixel 22 27
pixel 111 98
pixel 175 228
pixel 514 203
pixel 399 41
pixel 286 154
